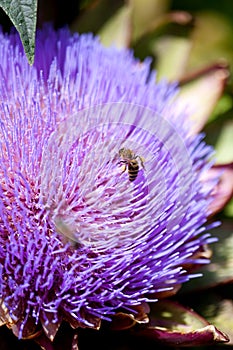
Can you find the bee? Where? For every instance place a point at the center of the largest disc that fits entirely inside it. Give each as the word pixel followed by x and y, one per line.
pixel 129 159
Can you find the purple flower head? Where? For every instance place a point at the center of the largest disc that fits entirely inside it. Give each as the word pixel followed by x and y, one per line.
pixel 78 239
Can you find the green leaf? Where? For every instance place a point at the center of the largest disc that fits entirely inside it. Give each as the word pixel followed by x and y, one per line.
pixel 216 306
pixel 23 15
pixel 208 48
pixel 229 209
pixel 224 105
pixel 172 53
pixel 221 315
pixel 224 146
pixel 154 37
pixel 144 13
pixel 220 270
pixel 176 325
pixel 117 31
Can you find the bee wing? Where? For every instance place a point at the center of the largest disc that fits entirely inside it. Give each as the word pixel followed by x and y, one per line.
pixel 142 160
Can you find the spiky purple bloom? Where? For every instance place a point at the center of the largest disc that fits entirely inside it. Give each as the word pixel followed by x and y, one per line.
pixel 62 124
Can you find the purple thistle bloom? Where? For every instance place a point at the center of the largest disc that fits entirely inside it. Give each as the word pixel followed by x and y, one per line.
pixel 79 240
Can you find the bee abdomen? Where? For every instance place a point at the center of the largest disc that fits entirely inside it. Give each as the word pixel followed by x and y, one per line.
pixel 133 171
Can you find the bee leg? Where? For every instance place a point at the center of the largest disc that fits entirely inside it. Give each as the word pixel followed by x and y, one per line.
pixel 124 164
pixel 141 161
pixel 125 167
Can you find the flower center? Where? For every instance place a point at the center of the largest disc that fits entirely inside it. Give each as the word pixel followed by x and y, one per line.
pixel 89 186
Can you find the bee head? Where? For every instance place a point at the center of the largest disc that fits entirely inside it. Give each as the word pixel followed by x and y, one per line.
pixel 121 151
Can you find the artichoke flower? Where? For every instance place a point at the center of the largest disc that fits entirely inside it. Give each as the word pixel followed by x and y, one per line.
pixel 81 242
